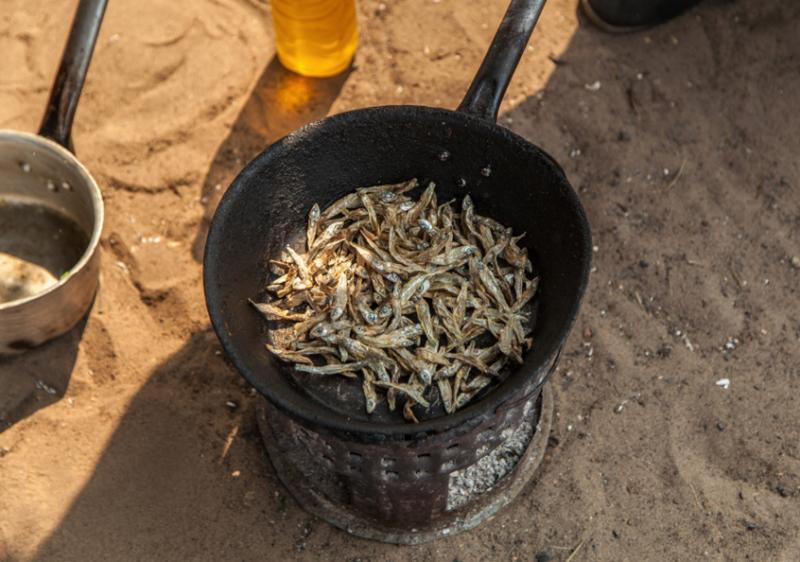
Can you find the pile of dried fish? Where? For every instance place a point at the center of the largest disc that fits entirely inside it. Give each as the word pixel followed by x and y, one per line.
pixel 403 292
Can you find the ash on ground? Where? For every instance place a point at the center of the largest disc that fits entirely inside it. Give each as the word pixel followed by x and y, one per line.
pixel 469 483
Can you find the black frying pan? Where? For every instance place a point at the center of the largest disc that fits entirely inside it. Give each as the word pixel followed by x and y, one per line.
pixel 463 151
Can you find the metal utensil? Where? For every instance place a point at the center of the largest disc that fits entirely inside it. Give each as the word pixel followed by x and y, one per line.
pixel 51 210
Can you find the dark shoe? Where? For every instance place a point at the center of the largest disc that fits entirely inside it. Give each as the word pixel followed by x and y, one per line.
pixel 631 15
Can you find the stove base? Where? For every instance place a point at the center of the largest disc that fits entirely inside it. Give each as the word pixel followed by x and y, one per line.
pixel 481 506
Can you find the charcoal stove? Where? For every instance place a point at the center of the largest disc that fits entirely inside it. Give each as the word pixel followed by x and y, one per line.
pixel 414 490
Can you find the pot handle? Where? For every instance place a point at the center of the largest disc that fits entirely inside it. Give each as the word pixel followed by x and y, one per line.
pixel 489 85
pixel 60 111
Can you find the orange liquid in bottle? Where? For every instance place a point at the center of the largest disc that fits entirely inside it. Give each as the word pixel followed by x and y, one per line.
pixel 315 37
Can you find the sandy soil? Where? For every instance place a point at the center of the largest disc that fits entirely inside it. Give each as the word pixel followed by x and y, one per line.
pixel 683 144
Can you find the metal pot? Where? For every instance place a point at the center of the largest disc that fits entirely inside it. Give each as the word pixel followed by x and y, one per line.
pixel 51 210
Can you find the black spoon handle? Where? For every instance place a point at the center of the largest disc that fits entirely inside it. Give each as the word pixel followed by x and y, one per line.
pixel 489 85
pixel 60 111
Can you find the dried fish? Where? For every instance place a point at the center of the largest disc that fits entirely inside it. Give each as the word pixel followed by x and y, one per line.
pixel 428 227
pixel 490 282
pixel 461 306
pixel 414 285
pixel 362 304
pixel 472 360
pixel 370 396
pixel 425 375
pixel 424 316
pixel 407 389
pixel 340 298
pixel 455 255
pixel 302 267
pixel 349 201
pixel 404 294
pixel 376 263
pixel 431 356
pixel 477 383
pixel 446 393
pixel 334 369
pixel 289 356
pixel 274 312
pixel 403 337
pixel 311 230
pixel 327 235
pixel 527 294
pixel 464 398
pixel 408 412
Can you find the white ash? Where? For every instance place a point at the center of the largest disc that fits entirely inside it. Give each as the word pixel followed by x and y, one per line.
pixel 469 483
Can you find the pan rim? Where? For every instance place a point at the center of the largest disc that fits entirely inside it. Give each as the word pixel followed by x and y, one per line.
pixel 331 419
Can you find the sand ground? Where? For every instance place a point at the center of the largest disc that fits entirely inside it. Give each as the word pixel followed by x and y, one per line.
pixel 682 142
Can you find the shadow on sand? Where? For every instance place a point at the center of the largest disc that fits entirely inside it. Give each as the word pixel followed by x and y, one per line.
pixel 280 102
pixel 37 378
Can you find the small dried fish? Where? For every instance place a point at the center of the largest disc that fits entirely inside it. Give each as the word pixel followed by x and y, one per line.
pixel 335 369
pixel 408 412
pixel 302 267
pixel 311 230
pixel 461 306
pixel 402 337
pixel 305 348
pixel 414 285
pixel 477 383
pixel 327 235
pixel 446 393
pixel 425 375
pixel 492 284
pixel 289 356
pixel 368 387
pixel 424 316
pixel 407 389
pixel 428 227
pixel 349 201
pixel 527 294
pixel 472 360
pixel 455 255
pixel 363 307
pixel 449 371
pixel 404 294
pixel 396 188
pixel 376 263
pixel 464 398
pixel 340 297
pixel 432 356
pixel 274 312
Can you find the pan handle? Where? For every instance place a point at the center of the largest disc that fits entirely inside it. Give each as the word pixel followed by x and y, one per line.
pixel 60 111
pixel 489 85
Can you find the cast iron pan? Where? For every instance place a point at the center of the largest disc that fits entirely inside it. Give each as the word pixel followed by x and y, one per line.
pixel 266 206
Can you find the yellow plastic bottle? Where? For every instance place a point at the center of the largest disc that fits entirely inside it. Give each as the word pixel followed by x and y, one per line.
pixel 315 37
